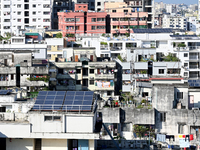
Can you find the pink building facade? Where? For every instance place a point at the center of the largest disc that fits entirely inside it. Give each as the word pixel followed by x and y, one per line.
pixel 122 23
pixel 80 22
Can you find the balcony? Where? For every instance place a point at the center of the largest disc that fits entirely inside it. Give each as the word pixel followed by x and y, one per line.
pixel 126 77
pixel 194 57
pixel 34 83
pixel 104 76
pixel 7 83
pixel 34 70
pixel 127 88
pixel 7 70
pixel 140 75
pixel 193 47
pixel 66 76
pixel 105 89
pixel 194 67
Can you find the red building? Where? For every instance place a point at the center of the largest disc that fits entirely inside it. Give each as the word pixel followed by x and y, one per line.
pixel 81 21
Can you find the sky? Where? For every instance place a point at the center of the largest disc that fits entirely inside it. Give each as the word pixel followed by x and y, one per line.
pixel 188 2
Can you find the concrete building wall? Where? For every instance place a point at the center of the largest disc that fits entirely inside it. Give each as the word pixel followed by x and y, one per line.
pixel 20 144
pixel 52 144
pixel 79 124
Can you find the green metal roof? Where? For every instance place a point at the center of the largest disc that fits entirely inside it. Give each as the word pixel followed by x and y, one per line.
pixel 36 34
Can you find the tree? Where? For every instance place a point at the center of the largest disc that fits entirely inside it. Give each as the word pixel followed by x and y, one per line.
pixel 59 35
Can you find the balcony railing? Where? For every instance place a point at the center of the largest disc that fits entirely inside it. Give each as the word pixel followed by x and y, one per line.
pixel 194 67
pixel 66 108
pixel 193 47
pixel 193 57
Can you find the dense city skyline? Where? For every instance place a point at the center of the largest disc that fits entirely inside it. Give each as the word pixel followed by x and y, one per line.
pixel 179 1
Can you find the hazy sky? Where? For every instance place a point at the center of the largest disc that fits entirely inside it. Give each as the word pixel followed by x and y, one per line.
pixel 188 2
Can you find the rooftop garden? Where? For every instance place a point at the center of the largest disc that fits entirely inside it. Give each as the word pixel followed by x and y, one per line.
pixel 170 57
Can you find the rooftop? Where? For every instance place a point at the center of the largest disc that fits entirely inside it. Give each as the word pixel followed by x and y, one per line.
pixel 157 30
pixel 62 101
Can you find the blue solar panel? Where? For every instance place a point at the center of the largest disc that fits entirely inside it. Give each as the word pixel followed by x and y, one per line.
pixel 71 93
pixel 50 97
pixel 41 97
pixel 51 93
pixel 39 102
pixel 87 102
pixel 69 98
pixel 68 102
pixel 61 93
pixel 58 102
pixel 80 93
pixel 89 93
pixel 78 102
pixel 87 98
pixel 36 108
pixel 57 107
pixel 78 98
pixel 59 97
pixel 48 102
pixel 42 93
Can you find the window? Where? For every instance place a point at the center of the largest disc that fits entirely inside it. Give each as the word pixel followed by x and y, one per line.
pixel 126 127
pixel 99 9
pixel 144 94
pixel 186 74
pixel 180 128
pixel 163 117
pixel 19 6
pixel 77 27
pixel 98 3
pixel 48 118
pixel 25 60
pixel 18 13
pixel 93 19
pixel 93 27
pixel 19 20
pixel 52 118
pixel 92 3
pixel 180 95
pixel 114 11
pixel 91 82
pixel 34 5
pixel 185 64
pixel 161 71
pixel 109 93
pixel 78 71
pixel 48 56
pixel 91 70
pixel 34 20
pixel 100 19
pixel 34 13
pixel 12 76
pixel 125 10
pixel 78 82
pixel 185 54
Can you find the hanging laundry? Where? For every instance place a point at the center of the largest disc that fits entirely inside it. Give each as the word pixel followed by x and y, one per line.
pixel 161 138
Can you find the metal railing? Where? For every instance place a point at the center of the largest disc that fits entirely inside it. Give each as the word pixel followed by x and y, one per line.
pixel 193 47
pixel 193 57
pixel 194 67
pixel 65 108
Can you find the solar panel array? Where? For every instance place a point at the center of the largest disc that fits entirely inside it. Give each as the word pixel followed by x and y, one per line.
pixel 159 30
pixel 65 101
pixel 5 92
pixel 183 36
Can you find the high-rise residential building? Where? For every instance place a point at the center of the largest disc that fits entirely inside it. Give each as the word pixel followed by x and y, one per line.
pixel 175 22
pixel 143 6
pixel 199 8
pixel 19 14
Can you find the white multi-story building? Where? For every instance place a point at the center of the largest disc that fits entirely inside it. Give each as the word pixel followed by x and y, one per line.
pixel 19 14
pixel 175 22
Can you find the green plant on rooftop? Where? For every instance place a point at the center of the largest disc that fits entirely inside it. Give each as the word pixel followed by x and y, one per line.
pixel 121 59
pixel 170 57
pixel 127 34
pixel 44 78
pixel 70 35
pixel 181 45
pixel 59 35
pixel 104 43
